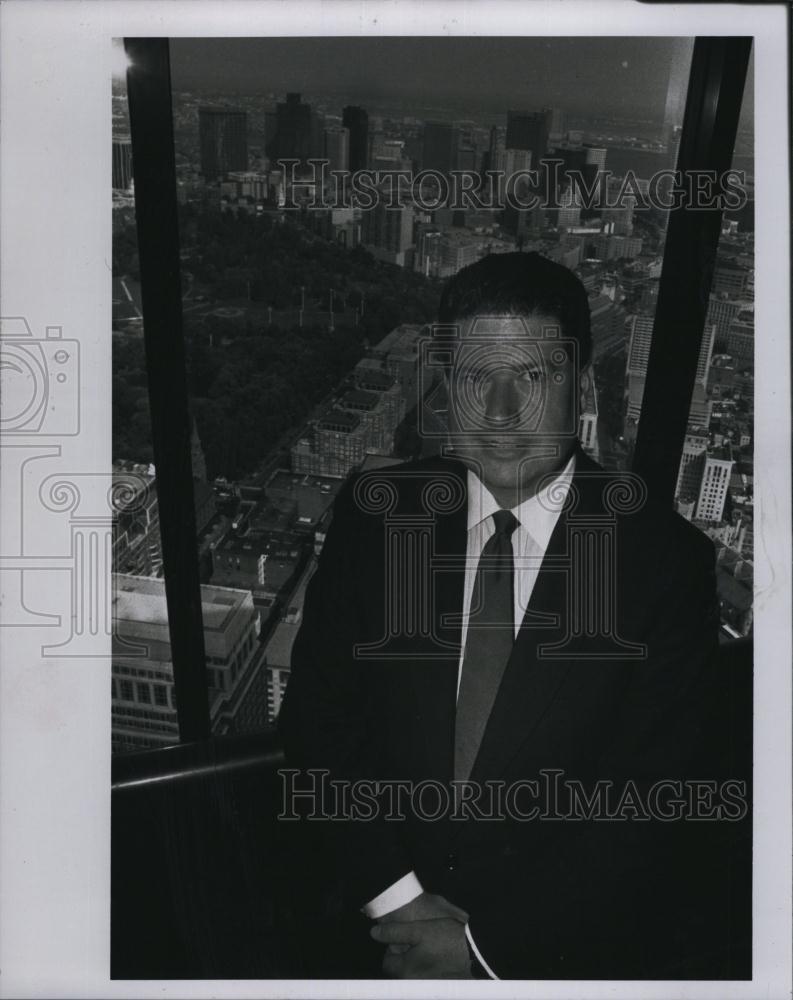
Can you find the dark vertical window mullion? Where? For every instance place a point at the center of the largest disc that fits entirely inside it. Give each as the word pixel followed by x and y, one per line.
pixel 154 171
pixel 713 107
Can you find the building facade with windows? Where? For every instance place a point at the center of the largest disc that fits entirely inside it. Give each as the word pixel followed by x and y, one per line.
pixel 143 702
pixel 715 482
pixel 223 141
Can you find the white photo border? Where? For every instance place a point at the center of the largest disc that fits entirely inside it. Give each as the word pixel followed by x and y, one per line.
pixel 55 254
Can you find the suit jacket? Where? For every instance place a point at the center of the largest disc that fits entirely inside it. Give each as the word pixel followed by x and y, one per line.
pixel 629 700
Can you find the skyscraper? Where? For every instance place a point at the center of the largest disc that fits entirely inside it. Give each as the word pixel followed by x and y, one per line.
pixel 556 120
pixel 357 121
pixel 638 359
pixel 296 135
pixel 595 172
pixel 528 130
pixel 439 151
pixel 494 157
pixel 122 164
pixel 596 156
pixel 223 139
pixel 715 480
pixel 388 232
pixel 337 147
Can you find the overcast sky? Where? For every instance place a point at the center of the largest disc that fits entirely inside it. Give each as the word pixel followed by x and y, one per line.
pixel 627 75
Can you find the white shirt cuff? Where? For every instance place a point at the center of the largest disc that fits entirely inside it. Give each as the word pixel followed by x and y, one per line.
pixel 396 895
pixel 478 954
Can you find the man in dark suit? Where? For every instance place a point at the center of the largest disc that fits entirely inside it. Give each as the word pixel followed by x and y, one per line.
pixel 507 659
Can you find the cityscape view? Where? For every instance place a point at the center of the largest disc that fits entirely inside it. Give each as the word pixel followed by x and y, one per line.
pixel 303 315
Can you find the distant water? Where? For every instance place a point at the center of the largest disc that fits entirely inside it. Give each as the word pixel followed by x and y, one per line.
pixel 644 162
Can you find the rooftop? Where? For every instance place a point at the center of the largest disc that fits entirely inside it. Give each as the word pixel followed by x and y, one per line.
pixel 360 399
pixel 286 481
pixel 142 599
pixel 734 592
pixel 373 378
pixel 401 340
pixel 339 417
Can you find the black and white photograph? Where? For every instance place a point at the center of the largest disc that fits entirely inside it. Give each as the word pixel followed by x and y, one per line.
pixel 397 540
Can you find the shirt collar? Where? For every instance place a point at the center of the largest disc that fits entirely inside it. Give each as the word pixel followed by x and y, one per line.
pixel 538 514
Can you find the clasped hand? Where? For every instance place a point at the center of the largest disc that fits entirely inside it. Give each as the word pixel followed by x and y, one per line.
pixel 426 940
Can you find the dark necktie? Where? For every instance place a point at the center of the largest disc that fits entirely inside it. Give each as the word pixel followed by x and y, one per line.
pixel 488 643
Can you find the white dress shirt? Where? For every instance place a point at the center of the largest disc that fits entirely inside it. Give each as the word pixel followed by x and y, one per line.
pixel 536 518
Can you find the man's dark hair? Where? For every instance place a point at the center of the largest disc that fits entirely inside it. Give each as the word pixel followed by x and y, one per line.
pixel 520 284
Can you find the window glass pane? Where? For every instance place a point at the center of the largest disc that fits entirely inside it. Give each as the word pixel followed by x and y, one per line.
pixel 715 480
pixel 141 646
pixel 302 319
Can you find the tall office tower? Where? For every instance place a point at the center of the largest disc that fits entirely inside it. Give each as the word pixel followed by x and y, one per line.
pixel 722 310
pixel 569 215
pixel 596 156
pixel 516 160
pixel 556 121
pixel 494 157
pixel 619 218
pixel 692 465
pixel 731 277
pixel 270 128
pixel 223 139
pixel 357 121
pixel 595 172
pixel 122 164
pixel 572 157
pixel 638 357
pixel 705 354
pixel 388 232
pixel 373 143
pixel 715 481
pixel 740 337
pixel 337 147
pixel 513 188
pixel 636 370
pixel 528 130
pixel 636 366
pixel 295 135
pixel 439 151
pixel 588 422
pixel 466 158
pixel 512 164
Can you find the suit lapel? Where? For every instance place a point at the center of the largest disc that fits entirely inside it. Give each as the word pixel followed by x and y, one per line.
pixel 434 678
pixel 530 682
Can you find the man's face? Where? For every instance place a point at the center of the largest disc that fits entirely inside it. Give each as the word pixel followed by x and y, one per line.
pixel 513 393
